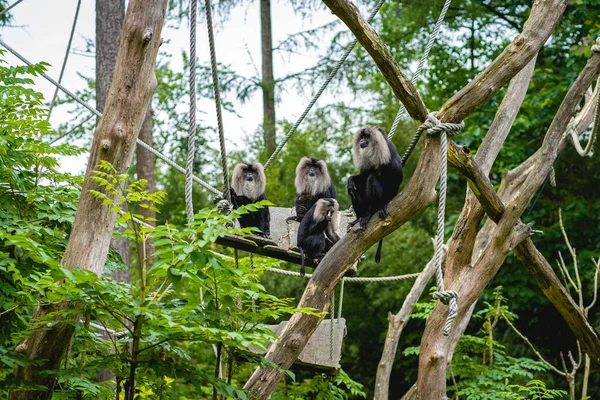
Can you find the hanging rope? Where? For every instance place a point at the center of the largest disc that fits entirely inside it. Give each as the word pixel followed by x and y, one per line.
pixel 332 317
pixel 7 9
pixel 312 102
pixel 189 166
pixel 341 301
pixel 64 64
pixel 433 126
pixel 572 129
pixel 416 76
pixel 350 279
pixel 215 78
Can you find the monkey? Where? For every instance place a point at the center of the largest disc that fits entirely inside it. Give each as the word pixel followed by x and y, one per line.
pixel 248 183
pixel 312 183
pixel 379 179
pixel 317 231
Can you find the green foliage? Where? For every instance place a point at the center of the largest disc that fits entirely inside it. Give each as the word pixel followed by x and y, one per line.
pixel 324 387
pixel 533 390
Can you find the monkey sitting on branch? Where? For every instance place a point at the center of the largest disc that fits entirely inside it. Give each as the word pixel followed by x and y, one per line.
pixel 317 231
pixel 379 179
pixel 312 183
pixel 248 183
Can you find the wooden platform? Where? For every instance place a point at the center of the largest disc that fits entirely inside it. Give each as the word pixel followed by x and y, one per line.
pixel 316 355
pixel 282 245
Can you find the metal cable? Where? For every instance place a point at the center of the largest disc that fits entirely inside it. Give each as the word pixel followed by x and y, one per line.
pixel 189 166
pixel 161 156
pixel 64 64
pixel 312 102
pixel 215 78
pixel 7 9
pixel 433 126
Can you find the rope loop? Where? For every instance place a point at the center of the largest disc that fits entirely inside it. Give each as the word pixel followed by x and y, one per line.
pixel 445 296
pixel 596 46
pixel 433 126
pixel 224 207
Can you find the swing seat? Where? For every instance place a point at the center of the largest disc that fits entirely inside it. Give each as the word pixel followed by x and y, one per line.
pixel 316 355
pixel 282 244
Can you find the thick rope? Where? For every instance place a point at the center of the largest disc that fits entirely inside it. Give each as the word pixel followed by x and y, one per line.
pixel 433 126
pixel 7 9
pixel 341 301
pixel 332 316
pixel 312 102
pixel 64 64
pixel 350 279
pixel 215 78
pixel 572 129
pixel 158 154
pixel 189 166
pixel 416 76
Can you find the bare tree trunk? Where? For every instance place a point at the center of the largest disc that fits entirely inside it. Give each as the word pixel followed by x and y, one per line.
pixel 114 140
pixel 109 23
pixel 268 83
pixel 543 18
pixel 396 326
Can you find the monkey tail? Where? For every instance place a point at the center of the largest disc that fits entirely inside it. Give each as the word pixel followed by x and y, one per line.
pixel 302 270
pixel 378 252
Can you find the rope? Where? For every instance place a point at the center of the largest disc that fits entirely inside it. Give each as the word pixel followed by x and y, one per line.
pixel 448 297
pixel 64 64
pixel 350 279
pixel 573 129
pixel 416 76
pixel 10 7
pixel 215 78
pixel 97 113
pixel 189 166
pixel 332 316
pixel 312 102
pixel 341 301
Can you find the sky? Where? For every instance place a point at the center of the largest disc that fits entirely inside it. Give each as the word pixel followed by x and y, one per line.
pixel 40 31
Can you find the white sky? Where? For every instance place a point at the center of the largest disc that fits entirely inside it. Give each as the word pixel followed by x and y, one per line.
pixel 40 32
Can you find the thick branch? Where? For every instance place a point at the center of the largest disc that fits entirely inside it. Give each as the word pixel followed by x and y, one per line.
pixel 114 140
pixel 418 194
pixel 396 326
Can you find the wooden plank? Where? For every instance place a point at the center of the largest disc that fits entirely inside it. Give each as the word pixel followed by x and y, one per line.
pixel 282 244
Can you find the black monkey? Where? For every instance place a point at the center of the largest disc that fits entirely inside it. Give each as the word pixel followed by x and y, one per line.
pixel 248 186
pixel 379 179
pixel 312 183
pixel 317 232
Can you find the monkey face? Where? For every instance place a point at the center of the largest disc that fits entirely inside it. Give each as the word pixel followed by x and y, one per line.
pixel 365 140
pixel 249 174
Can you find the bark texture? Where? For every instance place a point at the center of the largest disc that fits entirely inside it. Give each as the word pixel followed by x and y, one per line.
pixel 268 82
pixel 395 327
pixel 114 139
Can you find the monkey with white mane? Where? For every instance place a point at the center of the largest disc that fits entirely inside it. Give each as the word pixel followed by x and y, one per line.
pixel 312 183
pixel 317 232
pixel 248 183
pixel 379 179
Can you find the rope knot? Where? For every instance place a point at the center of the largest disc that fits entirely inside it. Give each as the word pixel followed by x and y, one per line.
pixel 596 46
pixel 224 206
pixel 445 295
pixel 434 126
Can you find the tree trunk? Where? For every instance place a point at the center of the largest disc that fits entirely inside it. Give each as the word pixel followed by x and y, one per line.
pixel 109 22
pixel 114 140
pixel 396 326
pixel 268 83
pixel 419 190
